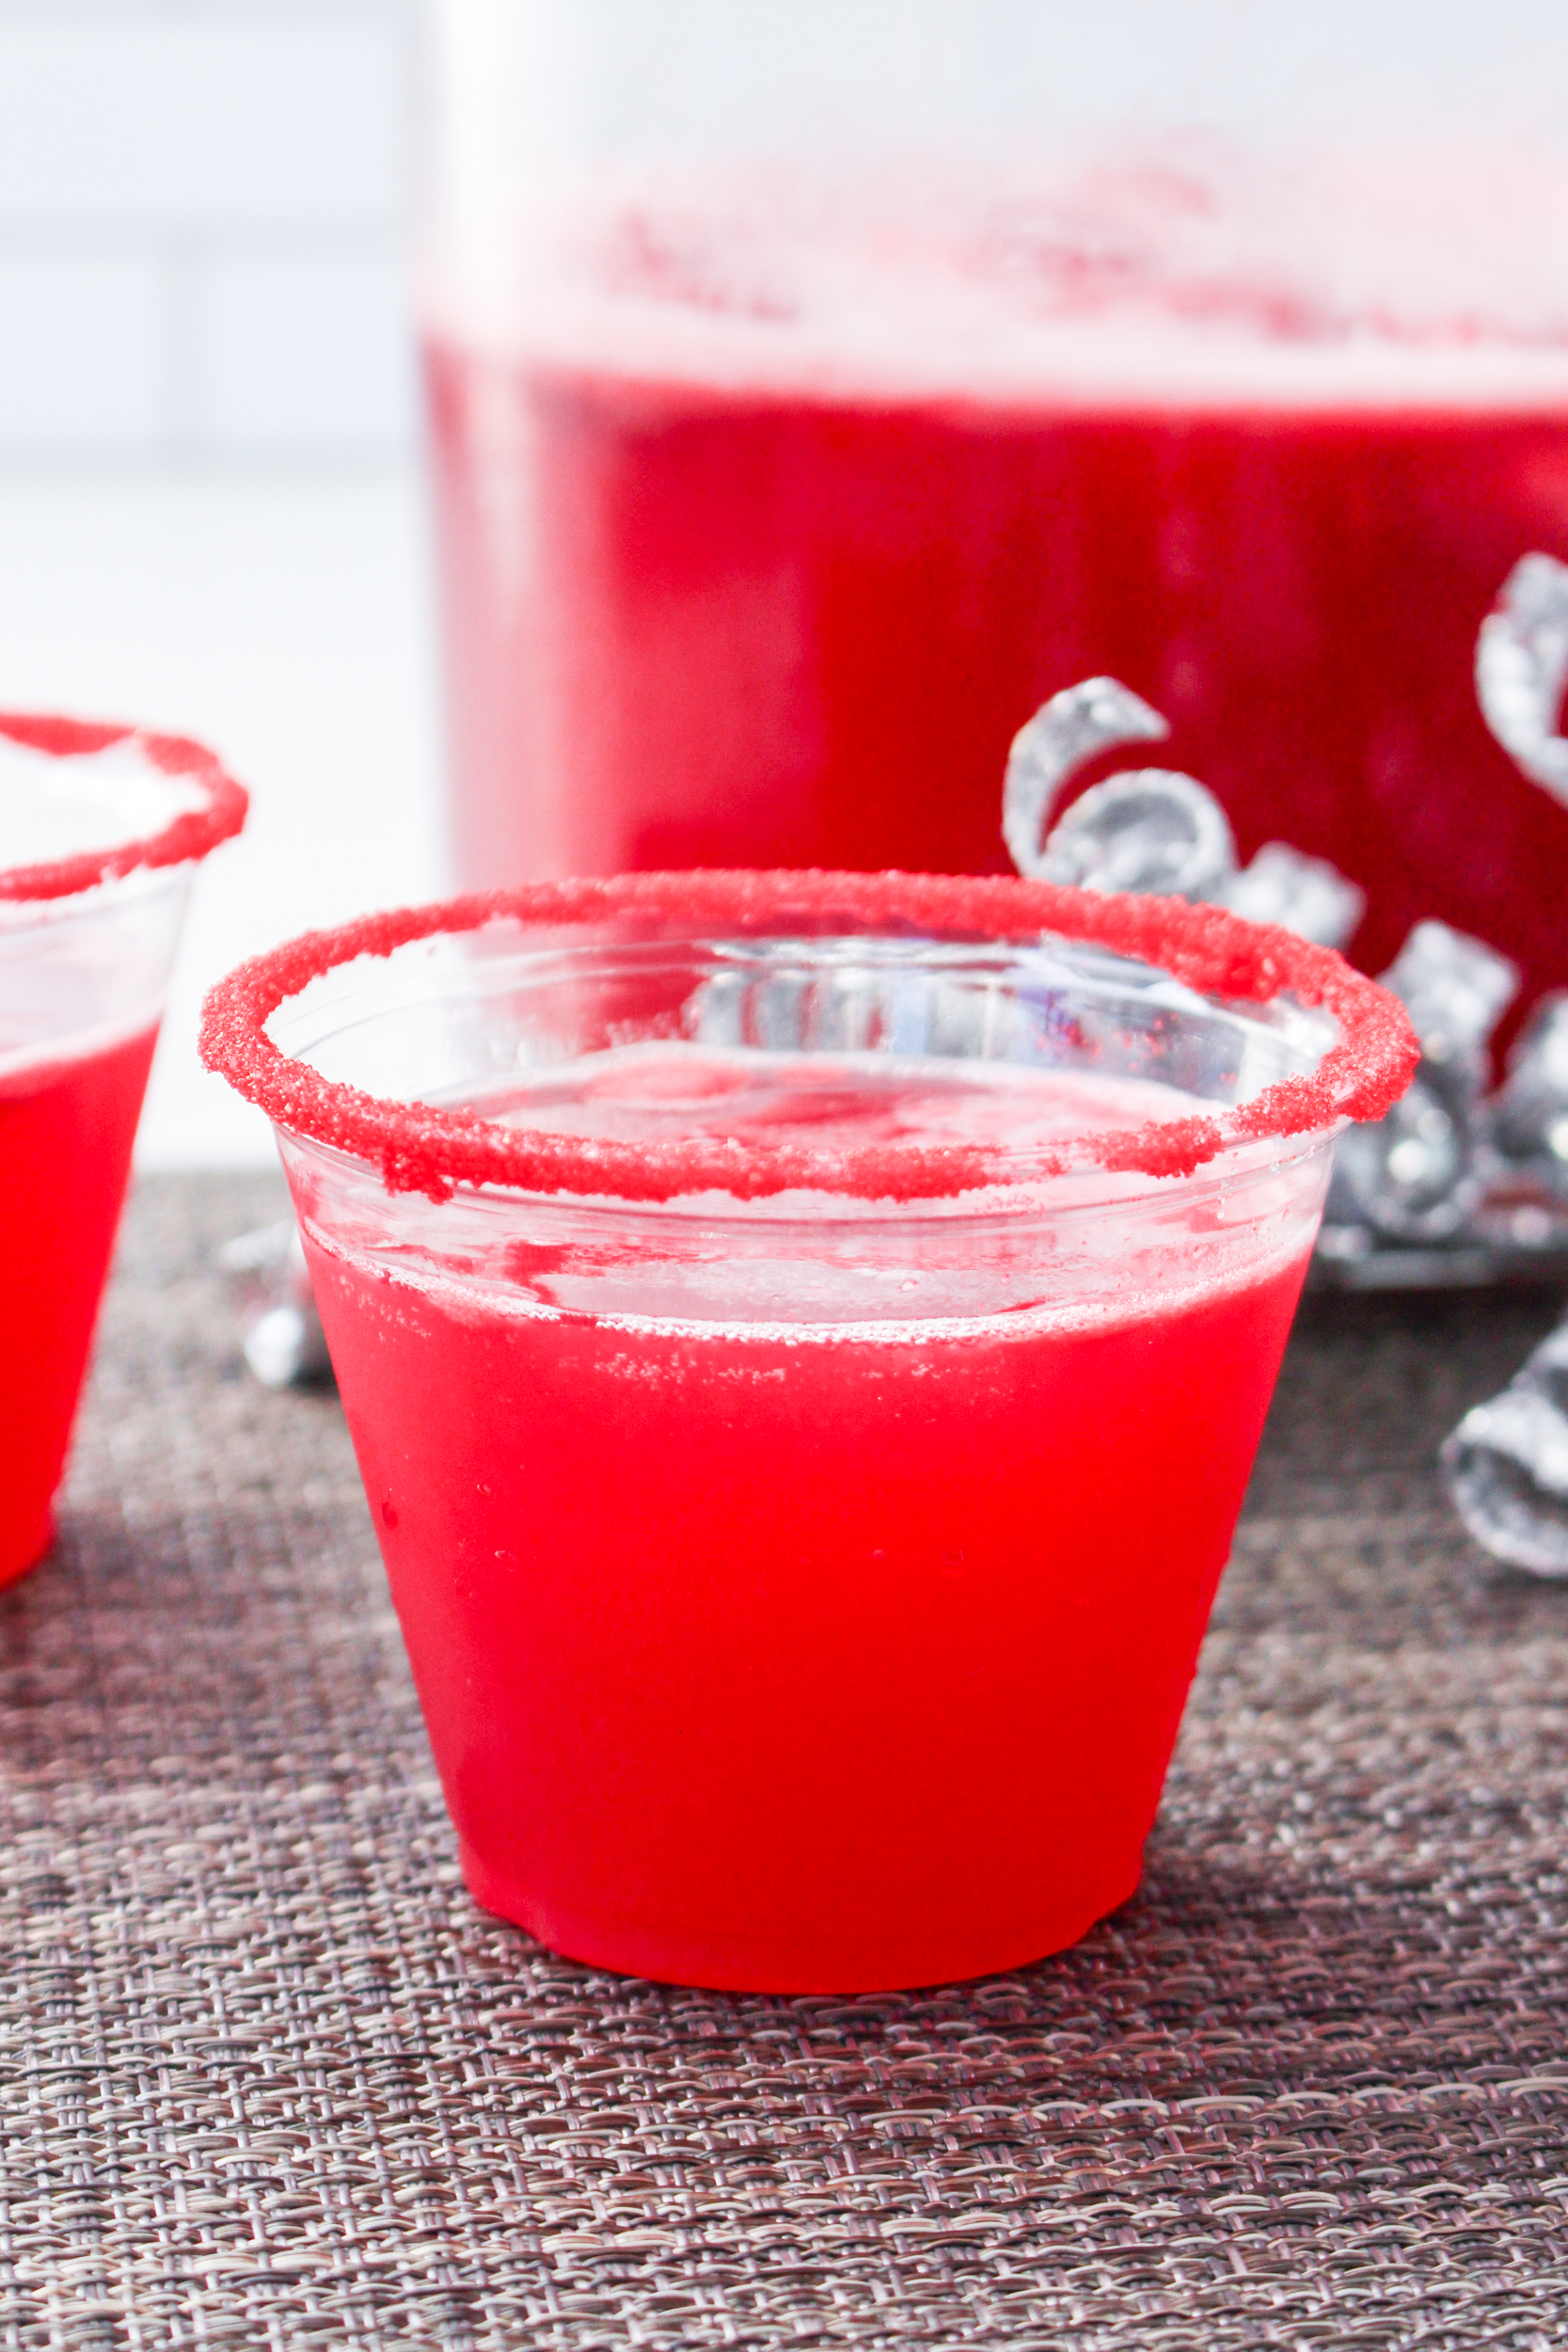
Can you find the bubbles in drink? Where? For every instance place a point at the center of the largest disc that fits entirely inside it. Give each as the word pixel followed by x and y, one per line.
pixel 672 1090
pixel 1293 279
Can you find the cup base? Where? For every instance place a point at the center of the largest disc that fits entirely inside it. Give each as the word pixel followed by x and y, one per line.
pixel 891 1965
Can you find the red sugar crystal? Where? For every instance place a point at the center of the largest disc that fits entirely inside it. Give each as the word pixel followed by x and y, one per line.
pixel 188 835
pixel 419 1148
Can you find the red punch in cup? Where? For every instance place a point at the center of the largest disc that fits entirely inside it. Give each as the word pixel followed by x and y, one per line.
pixel 102 830
pixel 805 1337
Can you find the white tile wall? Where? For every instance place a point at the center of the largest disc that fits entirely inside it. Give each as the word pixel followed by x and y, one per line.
pixel 81 350
pixel 283 617
pixel 210 513
pixel 299 346
pixel 200 244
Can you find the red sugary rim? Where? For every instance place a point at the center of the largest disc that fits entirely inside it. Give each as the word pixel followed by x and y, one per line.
pixel 186 837
pixel 419 1149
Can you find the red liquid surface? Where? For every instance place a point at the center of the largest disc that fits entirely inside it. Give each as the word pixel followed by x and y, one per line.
pixel 707 626
pixel 66 1133
pixel 824 1657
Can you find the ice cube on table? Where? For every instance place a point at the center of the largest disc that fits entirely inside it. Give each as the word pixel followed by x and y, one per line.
pixel 1413 1175
pixel 1507 1465
pixel 1529 1111
pixel 282 1342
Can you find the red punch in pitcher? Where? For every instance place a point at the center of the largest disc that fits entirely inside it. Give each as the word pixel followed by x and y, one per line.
pixel 809 404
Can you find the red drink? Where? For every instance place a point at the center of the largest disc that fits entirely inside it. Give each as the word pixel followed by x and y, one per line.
pixel 807 1658
pixel 804 1338
pixel 66 1132
pixel 734 576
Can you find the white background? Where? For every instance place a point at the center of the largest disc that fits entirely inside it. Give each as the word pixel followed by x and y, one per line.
pixel 210 513
pixel 210 510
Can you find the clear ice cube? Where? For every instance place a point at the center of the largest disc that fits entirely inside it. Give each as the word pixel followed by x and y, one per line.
pixel 1454 988
pixel 282 1339
pixel 1529 1111
pixel 1094 716
pixel 1411 1176
pixel 1522 666
pixel 1151 829
pixel 1306 894
pixel 1507 1465
pixel 1417 1175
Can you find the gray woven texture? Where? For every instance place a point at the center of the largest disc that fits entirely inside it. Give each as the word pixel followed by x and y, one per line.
pixel 270 2077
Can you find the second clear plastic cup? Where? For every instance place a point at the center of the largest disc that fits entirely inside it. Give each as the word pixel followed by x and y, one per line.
pixel 805 1340
pixel 100 832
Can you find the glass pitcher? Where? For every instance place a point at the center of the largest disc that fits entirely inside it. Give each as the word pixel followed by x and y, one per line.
pixel 816 389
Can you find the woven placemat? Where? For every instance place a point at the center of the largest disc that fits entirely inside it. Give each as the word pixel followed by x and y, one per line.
pixel 271 2078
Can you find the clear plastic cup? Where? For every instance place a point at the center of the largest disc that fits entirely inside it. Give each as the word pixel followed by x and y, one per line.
pixel 805 1339
pixel 101 828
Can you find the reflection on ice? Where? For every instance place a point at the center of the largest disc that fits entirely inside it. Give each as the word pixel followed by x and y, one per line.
pixel 1419 1174
pixel 1521 668
pixel 1151 829
pixel 1507 1465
